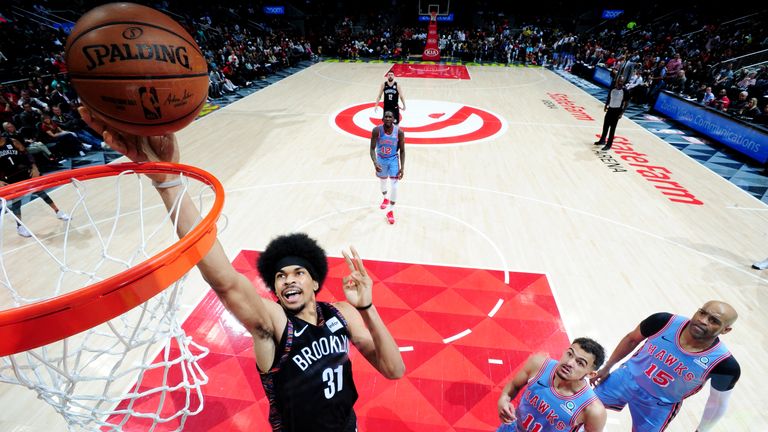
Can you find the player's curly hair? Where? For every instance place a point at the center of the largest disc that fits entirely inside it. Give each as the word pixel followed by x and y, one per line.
pixel 592 347
pixel 298 245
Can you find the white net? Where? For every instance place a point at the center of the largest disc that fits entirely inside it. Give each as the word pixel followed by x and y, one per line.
pixel 138 371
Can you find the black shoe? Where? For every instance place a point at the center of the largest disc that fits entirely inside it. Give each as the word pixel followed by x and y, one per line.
pixel 606 147
pixel 599 142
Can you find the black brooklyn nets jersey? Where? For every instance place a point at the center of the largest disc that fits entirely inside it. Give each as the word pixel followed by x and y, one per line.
pixel 310 385
pixel 14 165
pixel 391 95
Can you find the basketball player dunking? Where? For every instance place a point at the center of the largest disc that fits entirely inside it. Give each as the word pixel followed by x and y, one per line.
pixel 392 92
pixel 388 156
pixel 301 344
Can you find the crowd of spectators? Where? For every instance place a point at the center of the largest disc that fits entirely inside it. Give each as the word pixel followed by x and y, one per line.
pixel 38 106
pixel 689 55
pixel 682 52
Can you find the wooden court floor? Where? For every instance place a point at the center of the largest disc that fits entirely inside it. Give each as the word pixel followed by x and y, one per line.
pixel 515 184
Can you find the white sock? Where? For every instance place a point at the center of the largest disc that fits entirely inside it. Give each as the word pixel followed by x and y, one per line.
pixel 393 195
pixel 383 186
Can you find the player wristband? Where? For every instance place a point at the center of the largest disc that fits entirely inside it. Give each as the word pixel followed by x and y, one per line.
pixel 364 307
pixel 169 184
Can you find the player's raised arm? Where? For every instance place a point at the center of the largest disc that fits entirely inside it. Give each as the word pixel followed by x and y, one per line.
pixel 260 318
pixel 369 334
pixel 520 380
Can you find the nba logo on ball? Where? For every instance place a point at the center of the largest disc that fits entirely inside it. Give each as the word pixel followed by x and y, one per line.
pixel 137 69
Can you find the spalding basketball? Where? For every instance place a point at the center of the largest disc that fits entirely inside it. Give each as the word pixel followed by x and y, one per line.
pixel 137 69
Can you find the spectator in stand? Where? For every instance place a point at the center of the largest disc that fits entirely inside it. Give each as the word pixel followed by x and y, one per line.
pixel 748 81
pixel 762 118
pixel 7 109
pixel 637 86
pixel 722 102
pixel 739 104
pixel 29 117
pixel 59 99
pixel 214 82
pixel 674 65
pixel 750 111
pixel 657 81
pixel 36 103
pixel 725 76
pixel 66 142
pixel 11 95
pixel 60 64
pixel 676 83
pixel 68 122
pixel 709 97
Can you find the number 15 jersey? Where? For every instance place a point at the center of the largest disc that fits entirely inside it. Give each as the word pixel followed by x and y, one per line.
pixel 666 370
pixel 310 386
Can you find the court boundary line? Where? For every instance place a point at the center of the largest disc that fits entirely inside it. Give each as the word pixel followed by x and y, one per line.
pixel 669 145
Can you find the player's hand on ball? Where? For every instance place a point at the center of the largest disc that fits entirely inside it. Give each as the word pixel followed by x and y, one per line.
pixel 137 148
pixel 358 286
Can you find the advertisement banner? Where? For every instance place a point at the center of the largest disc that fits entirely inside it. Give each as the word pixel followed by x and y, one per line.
pixel 602 76
pixel 745 139
pixel 432 49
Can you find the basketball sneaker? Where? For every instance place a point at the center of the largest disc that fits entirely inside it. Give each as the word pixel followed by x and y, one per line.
pixel 761 265
pixel 62 216
pixel 384 204
pixel 23 231
pixel 391 217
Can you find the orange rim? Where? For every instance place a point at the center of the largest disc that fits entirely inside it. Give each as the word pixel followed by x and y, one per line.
pixel 34 325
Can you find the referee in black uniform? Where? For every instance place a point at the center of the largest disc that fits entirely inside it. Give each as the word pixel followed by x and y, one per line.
pixel 618 98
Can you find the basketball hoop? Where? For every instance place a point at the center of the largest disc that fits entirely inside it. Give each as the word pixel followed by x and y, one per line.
pixel 85 350
pixel 433 16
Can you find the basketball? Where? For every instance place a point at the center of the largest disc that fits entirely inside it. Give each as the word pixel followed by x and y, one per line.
pixel 137 69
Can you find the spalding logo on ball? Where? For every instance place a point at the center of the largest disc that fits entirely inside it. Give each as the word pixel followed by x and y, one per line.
pixel 137 69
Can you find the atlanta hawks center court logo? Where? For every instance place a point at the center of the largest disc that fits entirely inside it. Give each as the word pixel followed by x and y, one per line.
pixel 425 122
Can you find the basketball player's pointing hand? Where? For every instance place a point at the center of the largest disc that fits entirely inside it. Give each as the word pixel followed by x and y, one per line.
pixel 137 148
pixel 358 286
